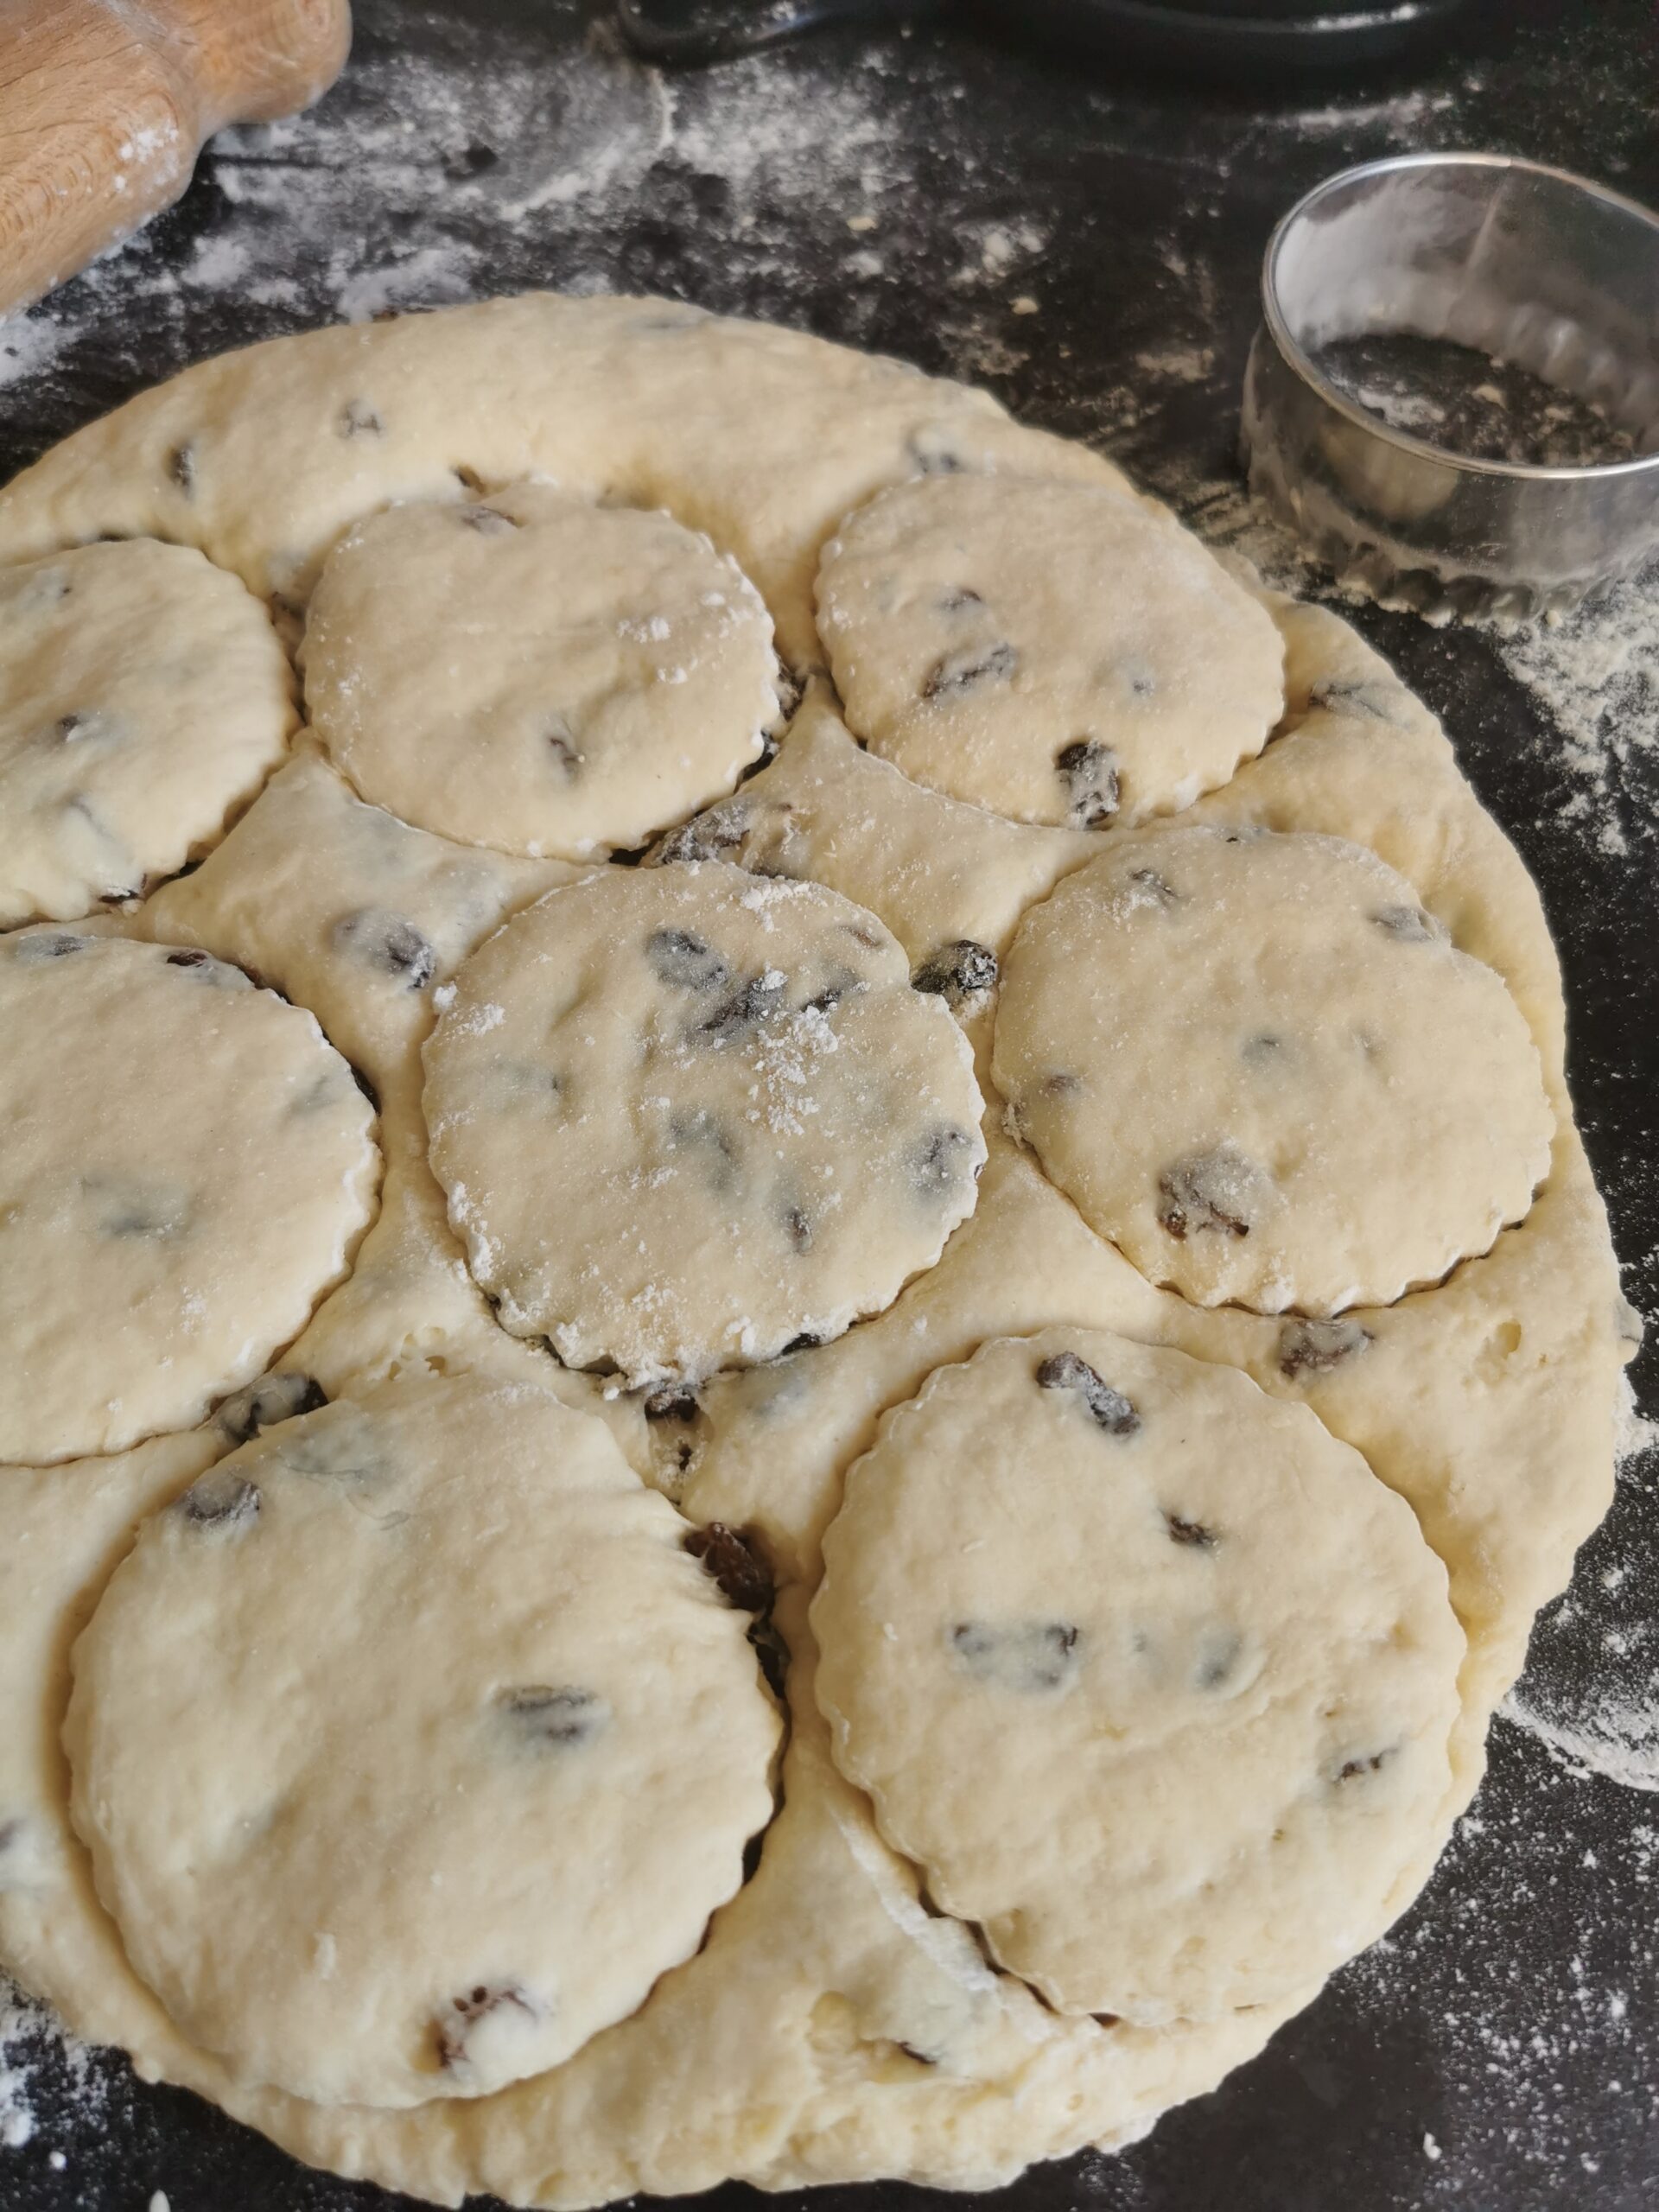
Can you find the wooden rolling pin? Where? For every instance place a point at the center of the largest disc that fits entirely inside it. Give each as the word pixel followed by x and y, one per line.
pixel 105 106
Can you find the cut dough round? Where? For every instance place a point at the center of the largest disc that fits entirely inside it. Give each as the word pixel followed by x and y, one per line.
pixel 186 1165
pixel 1060 652
pixel 537 673
pixel 1256 1064
pixel 685 1115
pixel 412 1746
pixel 143 695
pixel 1150 1674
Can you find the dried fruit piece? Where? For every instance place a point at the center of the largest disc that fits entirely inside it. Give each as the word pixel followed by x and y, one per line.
pixel 388 941
pixel 1411 924
pixel 755 1000
pixel 540 1713
pixel 1108 1408
pixel 715 835
pixel 282 1394
pixel 938 1162
pixel 736 1563
pixel 462 2015
pixel 1088 770
pixel 1031 1657
pixel 1317 1347
pixel 1192 1533
pixel 221 1499
pixel 959 972
pixel 685 961
pixel 357 419
pixel 1217 1190
pixel 972 669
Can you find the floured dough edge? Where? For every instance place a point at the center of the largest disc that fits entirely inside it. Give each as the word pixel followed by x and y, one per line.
pixel 660 405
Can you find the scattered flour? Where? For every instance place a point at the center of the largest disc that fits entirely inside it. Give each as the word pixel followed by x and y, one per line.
pixel 1596 674
pixel 1591 1693
pixel 1618 1740
pixel 32 2044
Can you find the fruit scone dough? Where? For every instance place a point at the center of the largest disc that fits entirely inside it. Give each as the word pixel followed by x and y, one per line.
pixel 1058 1194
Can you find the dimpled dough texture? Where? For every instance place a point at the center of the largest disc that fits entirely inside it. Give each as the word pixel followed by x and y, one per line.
pixel 143 693
pixel 685 1115
pixel 412 1746
pixel 1064 654
pixel 437 472
pixel 1151 1675
pixel 185 1166
pixel 535 673
pixel 1258 1067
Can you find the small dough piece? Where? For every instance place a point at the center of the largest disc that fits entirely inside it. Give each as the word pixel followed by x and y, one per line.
pixel 684 1117
pixel 537 673
pixel 1062 653
pixel 1258 1065
pixel 1149 1674
pixel 412 1745
pixel 939 873
pixel 186 1167
pixel 144 696
pixel 348 911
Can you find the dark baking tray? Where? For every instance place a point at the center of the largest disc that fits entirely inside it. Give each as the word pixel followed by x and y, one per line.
pixel 1501 2052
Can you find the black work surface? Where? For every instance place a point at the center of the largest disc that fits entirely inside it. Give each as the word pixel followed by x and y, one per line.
pixel 1088 246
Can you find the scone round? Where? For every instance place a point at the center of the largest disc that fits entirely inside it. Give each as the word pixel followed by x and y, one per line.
pixel 685 1115
pixel 143 695
pixel 186 1165
pixel 412 1746
pixel 1150 1674
pixel 1062 653
pixel 1257 1065
pixel 535 673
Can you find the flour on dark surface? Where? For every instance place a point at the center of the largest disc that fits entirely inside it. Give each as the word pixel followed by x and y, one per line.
pixel 1471 403
pixel 1089 247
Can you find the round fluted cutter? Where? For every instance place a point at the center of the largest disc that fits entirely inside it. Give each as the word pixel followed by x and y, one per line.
pixel 1522 264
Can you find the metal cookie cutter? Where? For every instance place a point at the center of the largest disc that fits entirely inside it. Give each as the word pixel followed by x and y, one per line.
pixel 1525 263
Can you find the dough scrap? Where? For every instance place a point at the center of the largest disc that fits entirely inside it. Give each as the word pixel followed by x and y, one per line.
pixel 684 1117
pixel 143 697
pixel 412 1746
pixel 349 911
pixel 185 1169
pixel 1151 1675
pixel 1261 1068
pixel 535 673
pixel 1061 654
pixel 937 872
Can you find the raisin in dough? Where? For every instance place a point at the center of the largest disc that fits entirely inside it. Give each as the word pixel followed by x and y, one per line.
pixel 412 1745
pixel 537 673
pixel 685 1115
pixel 143 695
pixel 1258 1065
pixel 1062 653
pixel 185 1167
pixel 1149 1674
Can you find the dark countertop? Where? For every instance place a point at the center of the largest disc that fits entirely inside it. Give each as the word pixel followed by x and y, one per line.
pixel 1087 244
